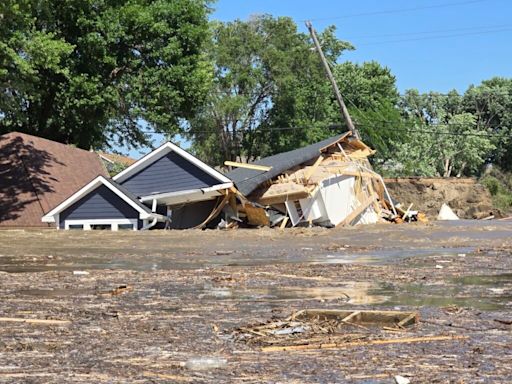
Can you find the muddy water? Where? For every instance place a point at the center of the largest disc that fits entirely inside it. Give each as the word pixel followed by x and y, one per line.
pixel 233 258
pixel 420 247
pixel 481 292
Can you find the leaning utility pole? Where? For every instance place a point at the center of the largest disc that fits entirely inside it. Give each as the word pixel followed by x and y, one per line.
pixel 341 103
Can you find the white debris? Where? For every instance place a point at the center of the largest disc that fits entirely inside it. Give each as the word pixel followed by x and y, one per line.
pixel 289 331
pixel 439 266
pixel 446 213
pixel 205 363
pixel 80 273
pixel 461 255
pixel 401 380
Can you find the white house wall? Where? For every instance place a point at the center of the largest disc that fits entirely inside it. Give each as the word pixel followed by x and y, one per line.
pixel 334 200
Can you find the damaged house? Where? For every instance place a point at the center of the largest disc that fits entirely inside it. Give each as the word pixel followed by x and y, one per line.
pixel 167 188
pixel 329 183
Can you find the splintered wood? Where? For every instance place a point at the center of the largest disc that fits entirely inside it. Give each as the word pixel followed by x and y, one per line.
pixel 34 321
pixel 318 329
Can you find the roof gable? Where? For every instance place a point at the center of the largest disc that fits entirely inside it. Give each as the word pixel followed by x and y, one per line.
pixel 170 173
pixel 92 186
pixel 173 169
pixel 100 203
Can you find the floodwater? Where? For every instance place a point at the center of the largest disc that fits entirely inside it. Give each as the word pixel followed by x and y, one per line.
pixel 445 241
pixel 186 292
pixel 481 292
pixel 485 292
pixel 233 258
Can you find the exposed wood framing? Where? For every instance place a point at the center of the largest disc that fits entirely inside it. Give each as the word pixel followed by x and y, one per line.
pixel 312 170
pixel 248 166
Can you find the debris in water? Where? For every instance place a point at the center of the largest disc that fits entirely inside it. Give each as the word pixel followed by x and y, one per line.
pixel 80 273
pixel 205 363
pixel 401 380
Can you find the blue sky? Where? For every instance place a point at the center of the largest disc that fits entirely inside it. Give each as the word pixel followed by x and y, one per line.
pixel 451 43
pixel 435 45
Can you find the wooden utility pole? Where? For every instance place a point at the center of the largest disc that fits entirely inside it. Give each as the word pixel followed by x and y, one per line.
pixel 343 107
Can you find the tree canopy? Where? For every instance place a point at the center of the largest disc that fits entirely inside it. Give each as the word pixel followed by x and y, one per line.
pixel 90 72
pixel 98 72
pixel 266 80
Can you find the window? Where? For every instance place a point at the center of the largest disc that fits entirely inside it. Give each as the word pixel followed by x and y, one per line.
pixel 101 227
pixel 125 227
pixel 102 224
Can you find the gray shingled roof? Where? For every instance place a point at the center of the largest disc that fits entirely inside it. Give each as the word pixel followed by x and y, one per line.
pixel 247 180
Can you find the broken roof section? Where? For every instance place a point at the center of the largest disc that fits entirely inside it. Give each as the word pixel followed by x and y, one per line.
pixel 113 158
pixel 248 180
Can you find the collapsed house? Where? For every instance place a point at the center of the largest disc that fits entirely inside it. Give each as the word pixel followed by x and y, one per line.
pixel 329 183
pixel 167 188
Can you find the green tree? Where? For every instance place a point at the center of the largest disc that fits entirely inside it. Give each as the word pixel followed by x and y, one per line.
pixel 370 92
pixel 266 78
pixel 491 103
pixel 444 139
pixel 90 72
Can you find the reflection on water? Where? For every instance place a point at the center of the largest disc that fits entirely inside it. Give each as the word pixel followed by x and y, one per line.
pixel 357 293
pixel 464 292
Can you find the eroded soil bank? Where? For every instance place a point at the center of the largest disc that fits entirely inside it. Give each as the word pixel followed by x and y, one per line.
pixel 465 196
pixel 153 303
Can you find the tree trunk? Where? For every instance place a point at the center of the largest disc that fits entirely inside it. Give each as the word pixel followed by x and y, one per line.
pixel 459 174
pixel 447 167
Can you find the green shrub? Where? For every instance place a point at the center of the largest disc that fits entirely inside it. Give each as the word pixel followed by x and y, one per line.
pixel 499 184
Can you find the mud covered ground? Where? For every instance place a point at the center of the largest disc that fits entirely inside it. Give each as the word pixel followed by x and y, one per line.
pixel 188 292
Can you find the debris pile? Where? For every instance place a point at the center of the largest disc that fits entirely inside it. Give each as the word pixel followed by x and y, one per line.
pixel 330 183
pixel 316 329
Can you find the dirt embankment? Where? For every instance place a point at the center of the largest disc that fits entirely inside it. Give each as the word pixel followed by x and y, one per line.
pixel 467 198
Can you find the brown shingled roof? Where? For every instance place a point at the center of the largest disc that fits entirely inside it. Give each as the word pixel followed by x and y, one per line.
pixel 116 158
pixel 36 174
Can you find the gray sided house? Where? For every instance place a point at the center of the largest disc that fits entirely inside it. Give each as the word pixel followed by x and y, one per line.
pixel 102 203
pixel 167 188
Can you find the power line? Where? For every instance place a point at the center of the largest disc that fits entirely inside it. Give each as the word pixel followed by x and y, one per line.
pixel 430 93
pixel 391 11
pixel 474 28
pixel 436 37
pixel 332 127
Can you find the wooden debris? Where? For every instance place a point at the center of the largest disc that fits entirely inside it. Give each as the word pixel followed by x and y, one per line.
pixel 34 321
pixel 356 212
pixel 248 166
pixel 256 215
pixel 408 340
pixel 312 170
